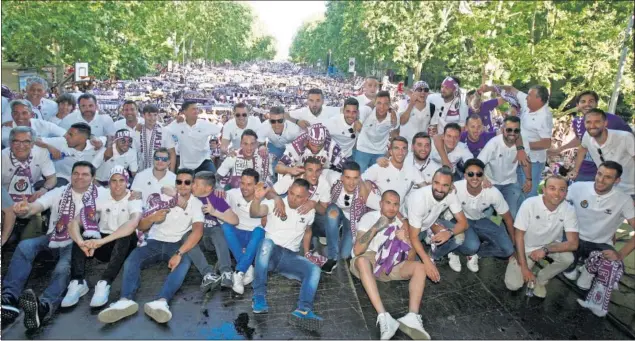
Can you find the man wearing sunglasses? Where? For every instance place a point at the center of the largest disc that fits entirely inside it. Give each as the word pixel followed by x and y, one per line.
pixel 607 145
pixel 234 128
pixel 416 111
pixel 345 128
pixel 277 133
pixel 475 200
pixel 117 153
pixel 151 180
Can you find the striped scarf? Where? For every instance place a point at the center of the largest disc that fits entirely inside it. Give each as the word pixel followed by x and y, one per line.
pixel 391 253
pixel 608 274
pixel 155 143
pixel 260 162
pixel 154 204
pixel 358 207
pixel 66 212
pixel 22 169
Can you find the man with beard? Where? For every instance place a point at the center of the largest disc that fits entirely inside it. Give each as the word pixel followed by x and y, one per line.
pixel 314 113
pixel 117 154
pixel 540 225
pixel 100 125
pixel 149 137
pixel 277 133
pixel 419 158
pixel 416 111
pixel 315 142
pixel 500 157
pixel 449 106
pixel 600 208
pixel 130 119
pixel 607 145
pixel 234 128
pixel 586 101
pixel 22 115
pixel 345 128
pixel 370 88
pixel 475 200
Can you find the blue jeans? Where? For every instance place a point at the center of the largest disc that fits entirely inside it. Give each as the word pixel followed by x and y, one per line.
pixel 207 165
pixel 536 177
pixel 329 226
pixel 239 239
pixel 513 195
pixel 22 263
pixel 497 242
pixel 277 153
pixel 365 160
pixel 142 257
pixel 272 257
pixel 468 247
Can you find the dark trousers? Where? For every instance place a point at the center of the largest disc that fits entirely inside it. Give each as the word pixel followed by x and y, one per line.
pixel 115 253
pixel 207 165
pixel 584 249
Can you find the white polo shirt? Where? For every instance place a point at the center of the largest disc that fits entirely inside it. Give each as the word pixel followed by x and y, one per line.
pixel 232 132
pixel 362 99
pixel 46 109
pixel 290 232
pixel 440 117
pixel 6 110
pixel 193 141
pixel 146 183
pixel 619 147
pixel 41 165
pixel 322 191
pixel 240 206
pixel 535 126
pixel 127 160
pixel 543 227
pixel 341 133
pixel 419 120
pixel 373 138
pixel 424 209
pixel 600 215
pixel 178 222
pixel 121 124
pixel 289 133
pixel 305 114
pixel 500 166
pixel 101 125
pixel 42 129
pixel 390 178
pixel 112 213
pixel 52 200
pixel 460 153
pixel 368 220
pixel 474 206
pixel 427 168
pixel 64 166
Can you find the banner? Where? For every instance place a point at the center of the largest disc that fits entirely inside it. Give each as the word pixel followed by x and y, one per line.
pixel 351 64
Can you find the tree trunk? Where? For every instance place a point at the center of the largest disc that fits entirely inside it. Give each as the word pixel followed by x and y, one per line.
pixel 417 72
pixel 620 68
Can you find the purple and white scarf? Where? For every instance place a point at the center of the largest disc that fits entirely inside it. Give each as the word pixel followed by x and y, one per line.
pixel 146 156
pixel 66 212
pixel 23 174
pixel 358 207
pixel 391 253
pixel 317 134
pixel 154 204
pixel 608 274
pixel 508 97
pixel 260 163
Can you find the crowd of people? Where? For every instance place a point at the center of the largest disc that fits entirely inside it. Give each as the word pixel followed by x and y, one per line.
pixel 304 174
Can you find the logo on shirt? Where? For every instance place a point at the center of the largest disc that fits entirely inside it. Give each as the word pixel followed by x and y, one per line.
pixel 584 204
pixel 537 217
pixel 302 220
pixel 608 211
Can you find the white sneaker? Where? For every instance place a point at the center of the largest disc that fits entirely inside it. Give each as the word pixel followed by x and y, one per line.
pixel 322 240
pixel 387 326
pixel 239 287
pixel 472 263
pixel 249 276
pixel 585 280
pixel 100 297
pixel 158 310
pixel 412 325
pixel 455 262
pixel 571 275
pixel 117 311
pixel 75 291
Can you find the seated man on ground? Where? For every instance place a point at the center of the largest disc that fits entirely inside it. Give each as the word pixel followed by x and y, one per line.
pixel 279 252
pixel 167 227
pixel 541 222
pixel 381 233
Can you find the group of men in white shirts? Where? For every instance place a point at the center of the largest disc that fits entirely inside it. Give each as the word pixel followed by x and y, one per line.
pixel 376 184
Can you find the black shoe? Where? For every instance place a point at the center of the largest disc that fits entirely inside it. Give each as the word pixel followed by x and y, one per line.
pixel 34 311
pixel 210 282
pixel 329 266
pixel 10 310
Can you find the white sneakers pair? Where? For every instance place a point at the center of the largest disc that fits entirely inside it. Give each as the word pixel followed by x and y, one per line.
pixel 241 279
pixel 411 324
pixel 582 277
pixel 455 262
pixel 158 310
pixel 76 291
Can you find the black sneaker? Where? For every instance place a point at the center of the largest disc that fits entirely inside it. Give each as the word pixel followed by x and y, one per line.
pixel 329 266
pixel 227 280
pixel 34 311
pixel 210 282
pixel 10 310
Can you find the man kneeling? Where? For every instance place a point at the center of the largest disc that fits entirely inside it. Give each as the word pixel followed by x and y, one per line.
pixel 382 253
pixel 280 248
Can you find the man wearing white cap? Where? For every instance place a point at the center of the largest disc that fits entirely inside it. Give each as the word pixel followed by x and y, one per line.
pixel 315 142
pixel 449 107
pixel 117 154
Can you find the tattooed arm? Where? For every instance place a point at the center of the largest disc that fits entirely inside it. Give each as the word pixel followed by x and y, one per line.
pixel 362 242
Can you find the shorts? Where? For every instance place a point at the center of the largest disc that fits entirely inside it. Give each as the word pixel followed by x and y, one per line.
pixel 370 255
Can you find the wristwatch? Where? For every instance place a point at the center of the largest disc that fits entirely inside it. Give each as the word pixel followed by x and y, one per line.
pixel 178 253
pixel 546 250
pixel 520 148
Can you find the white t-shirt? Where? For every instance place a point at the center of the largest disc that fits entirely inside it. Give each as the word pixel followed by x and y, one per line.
pixel 147 184
pixel 232 132
pixel 64 166
pixel 373 138
pixel 543 227
pixel 443 115
pixel 390 178
pixel 363 100
pixel 127 160
pixel 41 165
pixel 305 114
pixel 6 110
pixel 460 153
pixel 427 168
pixel 474 206
pixel 52 200
pixel 121 124
pixel 288 233
pixel 418 122
pixel 46 109
pixel 600 215
pixel 366 222
pixel 289 133
pixel 101 125
pixel 424 209
pixel 42 129
pixel 112 213
pixel 500 167
pixel 240 206
pixel 322 191
pixel 178 222
pixel 341 133
pixel 535 126
pixel 619 147
pixel 193 141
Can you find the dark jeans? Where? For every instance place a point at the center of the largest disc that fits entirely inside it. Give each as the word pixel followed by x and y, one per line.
pixel 114 253
pixel 584 249
pixel 207 165
pixel 211 236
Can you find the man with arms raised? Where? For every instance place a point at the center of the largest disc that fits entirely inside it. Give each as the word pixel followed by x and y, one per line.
pixel 248 156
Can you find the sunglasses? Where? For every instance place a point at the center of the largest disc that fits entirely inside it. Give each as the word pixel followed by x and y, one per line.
pixel 601 155
pixel 276 121
pixel 472 174
pixel 426 90
pixel 347 200
pixel 162 158
pixel 186 182
pixel 350 130
pixel 241 115
pixel 510 130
